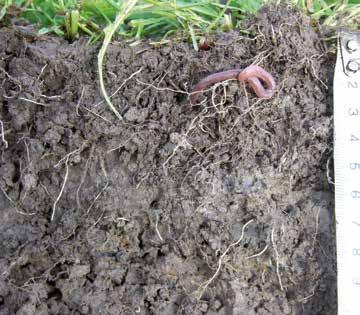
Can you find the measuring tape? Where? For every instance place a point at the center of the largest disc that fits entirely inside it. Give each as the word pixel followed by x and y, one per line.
pixel 347 171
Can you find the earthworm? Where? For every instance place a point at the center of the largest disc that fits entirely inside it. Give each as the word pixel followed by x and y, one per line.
pixel 211 79
pixel 251 75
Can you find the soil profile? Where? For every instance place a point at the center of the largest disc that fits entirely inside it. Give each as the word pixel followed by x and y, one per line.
pixel 226 208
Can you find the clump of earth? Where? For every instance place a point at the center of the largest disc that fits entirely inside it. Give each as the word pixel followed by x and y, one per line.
pixel 226 208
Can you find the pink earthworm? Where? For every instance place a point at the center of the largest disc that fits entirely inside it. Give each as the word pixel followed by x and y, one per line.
pixel 252 75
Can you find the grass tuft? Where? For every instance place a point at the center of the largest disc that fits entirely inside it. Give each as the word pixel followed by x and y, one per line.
pixel 149 18
pixel 160 18
pixel 333 13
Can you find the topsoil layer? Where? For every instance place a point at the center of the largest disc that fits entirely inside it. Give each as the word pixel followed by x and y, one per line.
pixel 145 209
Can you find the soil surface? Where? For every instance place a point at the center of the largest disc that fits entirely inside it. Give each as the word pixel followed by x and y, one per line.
pixel 226 208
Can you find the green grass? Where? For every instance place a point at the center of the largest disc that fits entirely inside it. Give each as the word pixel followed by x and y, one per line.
pixel 149 18
pixel 160 18
pixel 333 13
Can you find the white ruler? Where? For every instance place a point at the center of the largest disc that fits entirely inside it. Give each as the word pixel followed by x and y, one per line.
pixel 347 171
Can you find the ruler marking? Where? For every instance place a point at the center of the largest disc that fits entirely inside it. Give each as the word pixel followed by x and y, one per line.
pixel 347 176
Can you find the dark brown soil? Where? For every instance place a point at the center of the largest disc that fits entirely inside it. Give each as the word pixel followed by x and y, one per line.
pixel 150 205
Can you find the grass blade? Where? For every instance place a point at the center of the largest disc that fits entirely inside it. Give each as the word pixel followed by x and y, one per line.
pixel 109 32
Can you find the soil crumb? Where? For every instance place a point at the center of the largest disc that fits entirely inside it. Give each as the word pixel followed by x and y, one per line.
pixel 144 210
